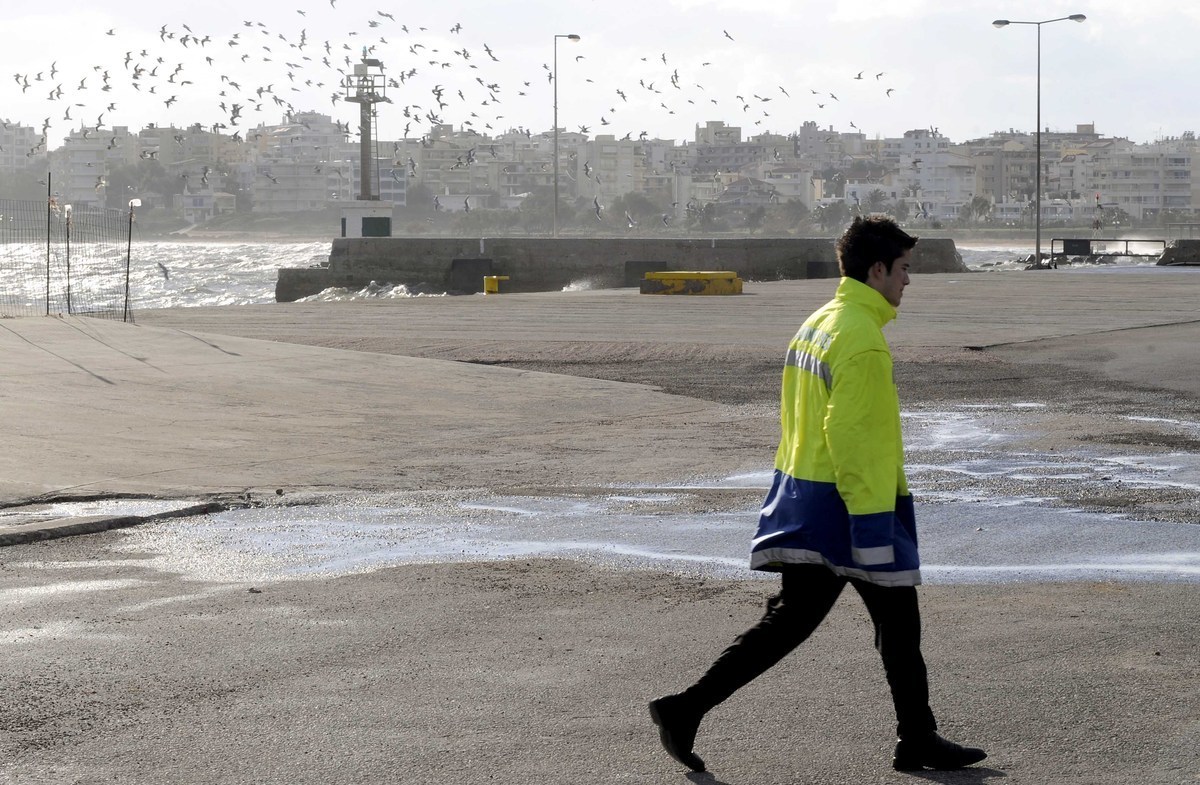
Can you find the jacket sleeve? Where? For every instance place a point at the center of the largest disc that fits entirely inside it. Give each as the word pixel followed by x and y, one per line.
pixel 864 446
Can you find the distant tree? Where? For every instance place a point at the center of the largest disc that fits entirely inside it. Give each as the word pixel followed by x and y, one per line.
pixel 640 207
pixel 536 211
pixel 147 175
pixel 899 210
pixel 707 217
pixel 876 201
pixel 243 200
pixel 1118 217
pixel 1170 216
pixel 786 218
pixel 418 199
pixel 26 184
pixel 756 217
pixel 796 211
pixel 243 195
pixel 833 215
pixel 980 207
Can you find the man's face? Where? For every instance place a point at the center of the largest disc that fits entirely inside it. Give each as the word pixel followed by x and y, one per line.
pixel 891 285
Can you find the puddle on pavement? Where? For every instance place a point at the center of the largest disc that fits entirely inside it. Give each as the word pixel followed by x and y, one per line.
pixel 962 541
pixel 987 514
pixel 38 513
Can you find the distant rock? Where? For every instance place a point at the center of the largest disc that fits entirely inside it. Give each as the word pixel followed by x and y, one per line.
pixel 937 255
pixel 1181 252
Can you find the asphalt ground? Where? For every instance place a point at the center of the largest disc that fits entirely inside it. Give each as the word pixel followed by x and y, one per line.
pixel 538 670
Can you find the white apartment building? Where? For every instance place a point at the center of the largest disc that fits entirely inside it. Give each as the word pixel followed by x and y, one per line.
pixel 303 164
pixel 1144 180
pixel 923 165
pixel 607 167
pixel 788 181
pixel 20 145
pixel 81 167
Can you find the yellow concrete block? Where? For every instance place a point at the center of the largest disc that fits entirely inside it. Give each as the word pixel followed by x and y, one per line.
pixel 491 283
pixel 692 282
pixel 703 275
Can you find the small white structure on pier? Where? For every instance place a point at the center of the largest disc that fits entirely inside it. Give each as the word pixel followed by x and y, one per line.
pixel 367 217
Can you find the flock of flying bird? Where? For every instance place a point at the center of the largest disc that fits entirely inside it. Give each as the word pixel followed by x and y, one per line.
pixel 435 75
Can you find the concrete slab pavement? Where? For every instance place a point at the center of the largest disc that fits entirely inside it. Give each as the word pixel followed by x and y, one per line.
pixel 188 401
pixel 530 670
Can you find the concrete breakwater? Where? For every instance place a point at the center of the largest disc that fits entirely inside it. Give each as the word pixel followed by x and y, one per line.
pixel 1181 252
pixel 549 264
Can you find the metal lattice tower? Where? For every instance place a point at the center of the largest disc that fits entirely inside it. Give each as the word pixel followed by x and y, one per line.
pixel 366 87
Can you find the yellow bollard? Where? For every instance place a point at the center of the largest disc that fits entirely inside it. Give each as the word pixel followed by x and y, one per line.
pixel 491 283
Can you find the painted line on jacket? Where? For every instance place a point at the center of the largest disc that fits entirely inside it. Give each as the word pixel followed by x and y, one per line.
pixel 810 334
pixel 881 554
pixel 807 362
pixel 771 558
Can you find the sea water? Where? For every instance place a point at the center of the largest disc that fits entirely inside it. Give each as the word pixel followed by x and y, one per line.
pixel 197 274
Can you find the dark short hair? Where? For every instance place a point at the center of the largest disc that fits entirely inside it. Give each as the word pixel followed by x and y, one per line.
pixel 870 240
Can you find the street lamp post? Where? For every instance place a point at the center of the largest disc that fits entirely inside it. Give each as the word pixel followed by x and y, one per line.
pixel 554 78
pixel 1037 193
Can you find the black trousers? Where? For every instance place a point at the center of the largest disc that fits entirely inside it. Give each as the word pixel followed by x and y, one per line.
pixel 808 593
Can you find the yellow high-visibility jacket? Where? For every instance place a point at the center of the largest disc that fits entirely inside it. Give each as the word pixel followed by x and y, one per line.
pixel 839 495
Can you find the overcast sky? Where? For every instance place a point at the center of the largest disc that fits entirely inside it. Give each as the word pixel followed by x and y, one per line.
pixel 1130 68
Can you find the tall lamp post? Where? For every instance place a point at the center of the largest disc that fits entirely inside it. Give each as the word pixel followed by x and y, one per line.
pixel 1037 193
pixel 554 78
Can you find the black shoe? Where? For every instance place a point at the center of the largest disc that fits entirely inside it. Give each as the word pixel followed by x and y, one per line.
pixel 677 728
pixel 933 752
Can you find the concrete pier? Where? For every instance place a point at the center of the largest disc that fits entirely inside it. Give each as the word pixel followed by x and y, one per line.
pixel 124 663
pixel 544 264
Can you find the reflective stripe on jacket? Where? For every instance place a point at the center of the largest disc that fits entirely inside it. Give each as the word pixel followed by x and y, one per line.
pixel 839 495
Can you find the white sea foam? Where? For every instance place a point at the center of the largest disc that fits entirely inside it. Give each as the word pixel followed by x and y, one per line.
pixel 197 274
pixel 1186 424
pixel 244 273
pixel 373 290
pixel 1013 257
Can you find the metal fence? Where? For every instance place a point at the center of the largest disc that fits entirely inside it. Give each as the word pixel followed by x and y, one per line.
pixel 55 259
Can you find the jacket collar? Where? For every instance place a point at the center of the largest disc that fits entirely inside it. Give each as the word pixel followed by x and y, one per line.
pixel 858 293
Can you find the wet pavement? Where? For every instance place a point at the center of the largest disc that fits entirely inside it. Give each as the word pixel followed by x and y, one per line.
pixel 38 513
pixel 990 512
pixel 996 541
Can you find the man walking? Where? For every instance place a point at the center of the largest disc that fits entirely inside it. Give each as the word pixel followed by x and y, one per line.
pixel 839 510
